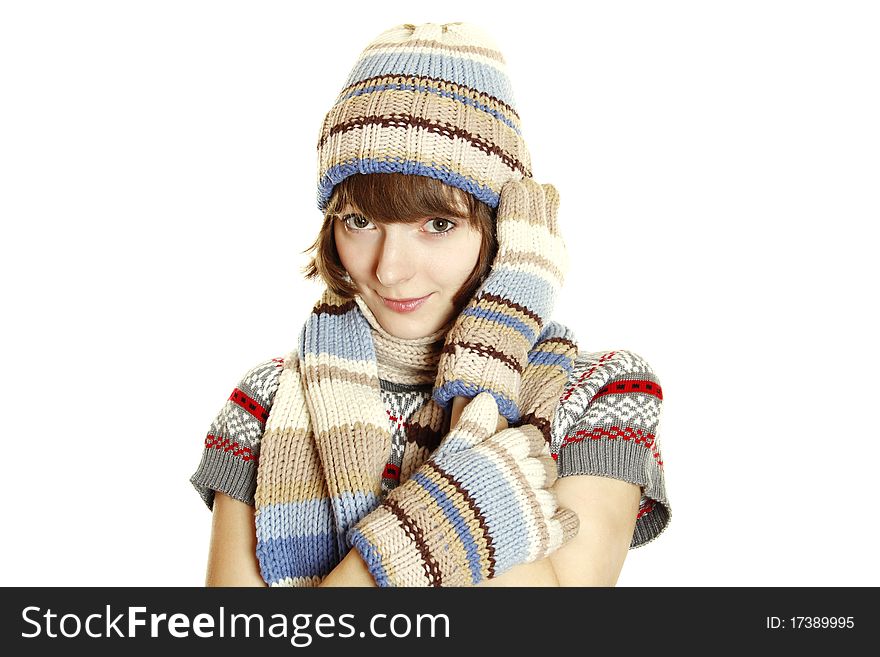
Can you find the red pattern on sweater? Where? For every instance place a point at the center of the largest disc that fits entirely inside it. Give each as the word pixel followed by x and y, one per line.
pixel 587 373
pixel 249 404
pixel 639 437
pixel 227 445
pixel 631 385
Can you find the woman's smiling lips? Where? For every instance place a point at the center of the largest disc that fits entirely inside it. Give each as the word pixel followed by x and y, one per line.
pixel 404 305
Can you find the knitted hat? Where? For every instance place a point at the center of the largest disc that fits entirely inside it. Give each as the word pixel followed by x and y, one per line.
pixel 429 100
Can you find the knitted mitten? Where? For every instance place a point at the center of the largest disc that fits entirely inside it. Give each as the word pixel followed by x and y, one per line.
pixel 550 365
pixel 479 506
pixel 487 347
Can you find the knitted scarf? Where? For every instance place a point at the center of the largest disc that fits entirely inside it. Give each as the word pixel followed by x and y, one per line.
pixel 327 440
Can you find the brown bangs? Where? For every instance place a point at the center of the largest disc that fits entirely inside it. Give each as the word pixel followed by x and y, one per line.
pixel 400 198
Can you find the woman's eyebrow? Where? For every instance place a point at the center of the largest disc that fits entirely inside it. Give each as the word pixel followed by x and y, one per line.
pixel 348 210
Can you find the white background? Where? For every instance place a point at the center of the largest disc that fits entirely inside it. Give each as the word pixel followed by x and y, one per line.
pixel 718 168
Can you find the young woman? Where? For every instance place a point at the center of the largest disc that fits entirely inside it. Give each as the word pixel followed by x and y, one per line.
pixel 430 376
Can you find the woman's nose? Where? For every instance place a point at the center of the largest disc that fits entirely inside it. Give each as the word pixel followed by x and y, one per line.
pixel 396 262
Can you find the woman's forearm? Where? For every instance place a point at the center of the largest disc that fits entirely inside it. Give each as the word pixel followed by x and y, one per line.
pixel 232 556
pixel 351 571
pixel 607 510
pixel 536 573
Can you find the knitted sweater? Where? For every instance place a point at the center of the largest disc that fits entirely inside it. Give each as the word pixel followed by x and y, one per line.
pixel 605 424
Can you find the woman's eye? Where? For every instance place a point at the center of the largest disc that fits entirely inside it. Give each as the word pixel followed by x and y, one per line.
pixel 355 221
pixel 359 223
pixel 444 225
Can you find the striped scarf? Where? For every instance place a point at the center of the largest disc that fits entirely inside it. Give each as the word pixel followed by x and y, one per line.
pixel 327 440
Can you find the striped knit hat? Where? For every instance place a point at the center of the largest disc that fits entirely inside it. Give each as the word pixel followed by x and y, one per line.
pixel 430 100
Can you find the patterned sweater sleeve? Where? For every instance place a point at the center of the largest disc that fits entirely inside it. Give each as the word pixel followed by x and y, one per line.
pixel 232 445
pixel 606 424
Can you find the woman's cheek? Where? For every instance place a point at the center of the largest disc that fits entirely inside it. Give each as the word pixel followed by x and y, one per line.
pixel 453 265
pixel 350 256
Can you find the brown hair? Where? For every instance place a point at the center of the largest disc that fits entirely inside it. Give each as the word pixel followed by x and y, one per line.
pixel 400 198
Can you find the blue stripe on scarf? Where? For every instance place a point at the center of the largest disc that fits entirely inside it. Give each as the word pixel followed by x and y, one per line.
pixel 303 556
pixel 349 508
pixel 323 334
pixel 276 517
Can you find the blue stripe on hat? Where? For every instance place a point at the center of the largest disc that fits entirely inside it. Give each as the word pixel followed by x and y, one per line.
pixel 460 70
pixel 340 172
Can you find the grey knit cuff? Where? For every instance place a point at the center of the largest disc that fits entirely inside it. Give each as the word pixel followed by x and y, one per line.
pixel 627 461
pixel 223 472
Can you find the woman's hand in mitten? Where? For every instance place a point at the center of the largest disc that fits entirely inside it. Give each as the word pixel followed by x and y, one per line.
pixel 479 506
pixel 487 347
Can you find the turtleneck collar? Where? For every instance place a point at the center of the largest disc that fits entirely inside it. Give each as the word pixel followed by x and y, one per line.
pixel 411 361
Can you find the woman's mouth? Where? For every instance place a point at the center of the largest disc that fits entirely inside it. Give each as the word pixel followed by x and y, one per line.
pixel 404 305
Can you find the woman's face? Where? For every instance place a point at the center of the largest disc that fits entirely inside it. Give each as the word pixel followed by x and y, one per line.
pixel 432 256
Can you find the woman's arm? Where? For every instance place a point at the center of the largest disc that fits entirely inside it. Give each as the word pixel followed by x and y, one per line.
pixel 351 571
pixel 232 557
pixel 607 510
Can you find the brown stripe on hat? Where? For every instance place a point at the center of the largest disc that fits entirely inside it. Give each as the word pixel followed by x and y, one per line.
pixel 461 89
pixel 445 129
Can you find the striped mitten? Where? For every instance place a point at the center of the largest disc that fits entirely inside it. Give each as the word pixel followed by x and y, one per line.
pixel 487 347
pixel 479 506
